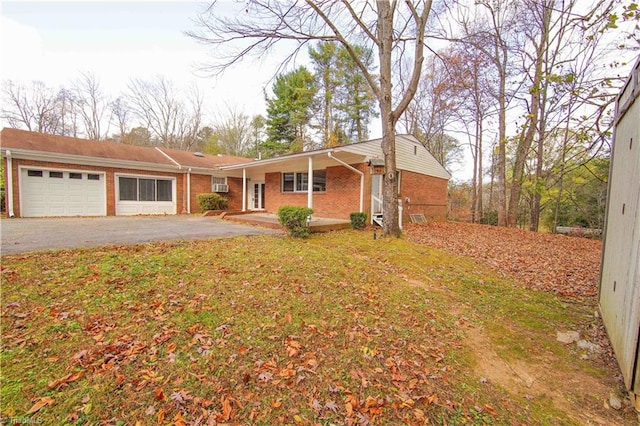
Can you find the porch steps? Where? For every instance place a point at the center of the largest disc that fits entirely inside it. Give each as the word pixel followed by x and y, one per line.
pixel 377 218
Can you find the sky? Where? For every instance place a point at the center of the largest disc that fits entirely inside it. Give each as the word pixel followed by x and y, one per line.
pixel 55 41
pixel 117 41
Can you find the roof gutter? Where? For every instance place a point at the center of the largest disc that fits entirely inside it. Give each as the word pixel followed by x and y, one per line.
pixel 330 154
pixel 256 163
pixel 91 161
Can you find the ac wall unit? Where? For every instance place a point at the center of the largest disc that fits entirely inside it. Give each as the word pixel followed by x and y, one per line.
pixel 220 187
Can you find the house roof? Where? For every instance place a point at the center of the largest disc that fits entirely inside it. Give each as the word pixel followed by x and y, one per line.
pixel 34 142
pixel 192 159
pixel 411 155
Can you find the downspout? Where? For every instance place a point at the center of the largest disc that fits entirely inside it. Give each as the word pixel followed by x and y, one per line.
pixel 358 172
pixel 186 204
pixel 9 189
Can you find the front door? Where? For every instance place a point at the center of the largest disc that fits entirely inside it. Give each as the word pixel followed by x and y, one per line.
pixel 258 196
pixel 376 194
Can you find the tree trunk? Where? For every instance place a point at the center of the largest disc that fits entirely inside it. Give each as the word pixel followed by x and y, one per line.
pixel 502 158
pixel 474 181
pixel 480 207
pixel 391 225
pixel 535 207
pixel 522 151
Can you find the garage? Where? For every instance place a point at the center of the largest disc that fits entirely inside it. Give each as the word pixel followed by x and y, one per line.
pixel 55 192
pixel 144 194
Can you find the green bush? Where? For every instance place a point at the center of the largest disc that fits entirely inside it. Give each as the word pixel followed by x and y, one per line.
pixel 211 201
pixel 358 220
pixel 490 218
pixel 294 220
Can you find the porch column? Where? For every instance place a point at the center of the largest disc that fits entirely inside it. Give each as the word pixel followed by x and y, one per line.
pixel 244 190
pixel 9 190
pixel 189 191
pixel 310 184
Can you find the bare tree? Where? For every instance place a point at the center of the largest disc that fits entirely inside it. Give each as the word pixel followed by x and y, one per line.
pixel 393 29
pixel 157 105
pixel 35 108
pixel 234 132
pixel 435 107
pixel 92 105
pixel 121 112
pixel 491 28
pixel 67 113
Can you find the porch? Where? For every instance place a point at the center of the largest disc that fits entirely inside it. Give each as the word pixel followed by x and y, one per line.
pixel 270 220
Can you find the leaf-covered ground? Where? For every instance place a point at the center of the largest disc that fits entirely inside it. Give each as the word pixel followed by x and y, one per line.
pixel 338 329
pixel 567 266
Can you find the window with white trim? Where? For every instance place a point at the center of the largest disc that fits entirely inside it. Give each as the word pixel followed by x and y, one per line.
pixel 215 180
pixel 299 181
pixel 144 189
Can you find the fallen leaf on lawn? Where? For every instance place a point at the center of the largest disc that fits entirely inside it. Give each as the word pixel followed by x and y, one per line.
pixel 226 409
pixel 42 402
pixel 72 377
pixel 178 420
pixel 331 405
pixel 159 395
pixel 119 378
pixel 276 403
pixel 349 409
pixel 171 347
pixel 160 417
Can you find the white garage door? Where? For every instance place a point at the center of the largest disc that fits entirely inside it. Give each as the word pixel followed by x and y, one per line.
pixel 45 192
pixel 141 194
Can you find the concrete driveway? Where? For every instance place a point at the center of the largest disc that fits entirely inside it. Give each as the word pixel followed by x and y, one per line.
pixel 25 235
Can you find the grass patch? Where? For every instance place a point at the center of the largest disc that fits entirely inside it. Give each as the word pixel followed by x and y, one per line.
pixel 264 330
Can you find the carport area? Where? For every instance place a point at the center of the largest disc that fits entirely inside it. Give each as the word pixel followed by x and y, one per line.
pixel 36 234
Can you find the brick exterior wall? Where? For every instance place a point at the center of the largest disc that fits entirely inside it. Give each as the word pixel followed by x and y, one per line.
pixel 427 195
pixel 341 198
pixel 109 172
pixel 234 196
pixel 200 184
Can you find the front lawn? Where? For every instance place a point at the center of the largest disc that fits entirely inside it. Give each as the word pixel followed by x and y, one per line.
pixel 337 329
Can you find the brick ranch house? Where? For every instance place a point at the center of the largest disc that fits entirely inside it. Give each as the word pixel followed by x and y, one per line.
pixel 47 175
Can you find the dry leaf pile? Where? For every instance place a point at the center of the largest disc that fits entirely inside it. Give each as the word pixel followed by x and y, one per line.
pixel 566 266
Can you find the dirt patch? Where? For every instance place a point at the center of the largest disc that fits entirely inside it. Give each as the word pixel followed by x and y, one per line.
pixel 531 381
pixel 566 266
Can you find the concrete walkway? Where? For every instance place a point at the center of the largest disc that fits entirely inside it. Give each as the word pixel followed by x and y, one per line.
pixel 270 220
pixel 36 234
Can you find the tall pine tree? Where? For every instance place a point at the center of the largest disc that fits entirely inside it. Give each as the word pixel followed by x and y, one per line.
pixel 289 112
